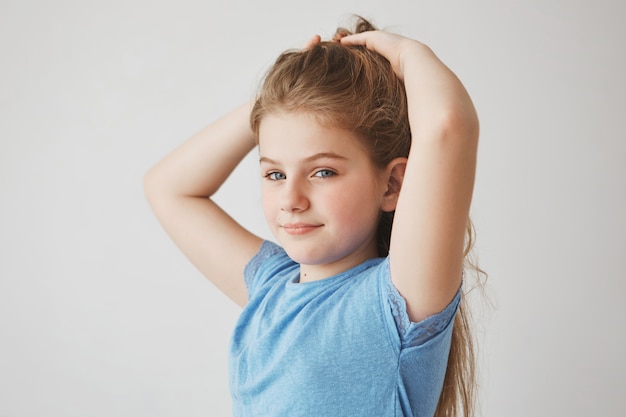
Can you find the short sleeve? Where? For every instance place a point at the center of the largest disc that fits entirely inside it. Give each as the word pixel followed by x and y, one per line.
pixel 412 333
pixel 263 265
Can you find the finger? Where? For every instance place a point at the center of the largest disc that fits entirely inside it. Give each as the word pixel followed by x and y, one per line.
pixel 356 39
pixel 312 42
pixel 340 34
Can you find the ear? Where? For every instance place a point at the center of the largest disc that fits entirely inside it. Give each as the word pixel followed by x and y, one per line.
pixel 394 174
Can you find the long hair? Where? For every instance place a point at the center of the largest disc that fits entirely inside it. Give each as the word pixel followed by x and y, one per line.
pixel 353 88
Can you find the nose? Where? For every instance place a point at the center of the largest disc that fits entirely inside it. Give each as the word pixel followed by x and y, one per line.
pixel 293 197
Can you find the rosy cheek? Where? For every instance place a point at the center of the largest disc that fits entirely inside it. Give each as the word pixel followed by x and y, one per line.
pixel 355 205
pixel 268 204
pixel 342 204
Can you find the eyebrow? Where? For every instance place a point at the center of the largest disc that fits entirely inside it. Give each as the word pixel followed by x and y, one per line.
pixel 321 155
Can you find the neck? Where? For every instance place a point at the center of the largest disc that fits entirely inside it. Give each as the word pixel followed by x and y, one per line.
pixel 309 273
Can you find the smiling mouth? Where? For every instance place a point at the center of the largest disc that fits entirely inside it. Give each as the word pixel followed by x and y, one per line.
pixel 300 228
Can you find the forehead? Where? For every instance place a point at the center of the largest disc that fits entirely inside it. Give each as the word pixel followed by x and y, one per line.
pixel 293 134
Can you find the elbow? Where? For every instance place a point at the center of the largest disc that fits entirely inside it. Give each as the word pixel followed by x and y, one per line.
pixel 149 186
pixel 156 193
pixel 462 117
pixel 152 185
pixel 458 125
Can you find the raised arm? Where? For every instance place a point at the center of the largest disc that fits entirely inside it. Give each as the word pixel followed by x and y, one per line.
pixel 427 241
pixel 179 189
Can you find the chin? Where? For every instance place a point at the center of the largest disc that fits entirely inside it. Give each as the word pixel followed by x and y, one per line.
pixel 305 256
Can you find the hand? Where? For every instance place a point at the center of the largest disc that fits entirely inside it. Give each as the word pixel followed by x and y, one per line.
pixel 429 82
pixel 341 33
pixel 394 47
pixel 312 42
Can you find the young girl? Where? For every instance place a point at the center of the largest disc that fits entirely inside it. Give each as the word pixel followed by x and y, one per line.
pixel 367 149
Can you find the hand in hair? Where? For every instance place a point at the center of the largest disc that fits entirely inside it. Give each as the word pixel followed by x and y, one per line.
pixel 390 45
pixel 429 83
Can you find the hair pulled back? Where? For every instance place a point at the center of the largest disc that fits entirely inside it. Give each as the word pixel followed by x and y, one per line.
pixel 353 88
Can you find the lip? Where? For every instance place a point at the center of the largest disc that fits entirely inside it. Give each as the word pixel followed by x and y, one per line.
pixel 296 229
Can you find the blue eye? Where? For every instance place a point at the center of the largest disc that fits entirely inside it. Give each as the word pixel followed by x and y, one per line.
pixel 324 173
pixel 275 176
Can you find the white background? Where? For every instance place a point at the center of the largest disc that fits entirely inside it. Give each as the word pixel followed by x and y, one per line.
pixel 100 315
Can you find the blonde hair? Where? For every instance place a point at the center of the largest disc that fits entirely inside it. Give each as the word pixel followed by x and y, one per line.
pixel 356 89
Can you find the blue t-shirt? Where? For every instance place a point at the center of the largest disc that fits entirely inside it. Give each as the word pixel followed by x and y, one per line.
pixel 341 346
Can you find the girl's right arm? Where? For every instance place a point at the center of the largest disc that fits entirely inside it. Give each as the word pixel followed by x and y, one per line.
pixel 179 189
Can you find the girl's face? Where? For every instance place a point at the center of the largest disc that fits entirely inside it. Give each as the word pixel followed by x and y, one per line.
pixel 321 193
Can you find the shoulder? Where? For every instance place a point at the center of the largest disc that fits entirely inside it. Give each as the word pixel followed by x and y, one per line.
pixel 269 262
pixel 394 305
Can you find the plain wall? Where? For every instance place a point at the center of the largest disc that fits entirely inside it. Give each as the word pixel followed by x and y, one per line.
pixel 100 315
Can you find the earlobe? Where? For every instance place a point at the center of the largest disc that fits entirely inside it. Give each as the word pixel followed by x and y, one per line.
pixel 394 175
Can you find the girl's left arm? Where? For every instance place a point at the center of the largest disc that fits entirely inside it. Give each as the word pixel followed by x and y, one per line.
pixel 432 212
